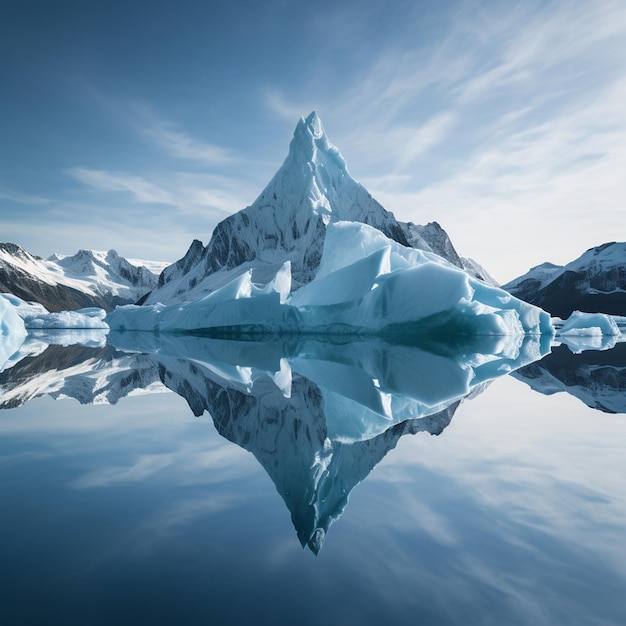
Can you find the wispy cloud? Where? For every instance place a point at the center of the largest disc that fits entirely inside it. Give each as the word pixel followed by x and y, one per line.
pixel 278 104
pixel 189 193
pixel 139 188
pixel 181 145
pixel 21 198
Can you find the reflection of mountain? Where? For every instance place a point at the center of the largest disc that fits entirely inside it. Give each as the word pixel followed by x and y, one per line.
pixel 598 378
pixel 318 415
pixel 90 375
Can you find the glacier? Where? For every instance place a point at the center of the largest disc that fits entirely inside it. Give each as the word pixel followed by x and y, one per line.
pixel 316 253
pixel 365 283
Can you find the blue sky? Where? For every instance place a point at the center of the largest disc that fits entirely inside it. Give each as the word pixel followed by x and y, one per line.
pixel 139 125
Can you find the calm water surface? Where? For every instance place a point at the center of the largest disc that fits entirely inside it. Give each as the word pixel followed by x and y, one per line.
pixel 512 512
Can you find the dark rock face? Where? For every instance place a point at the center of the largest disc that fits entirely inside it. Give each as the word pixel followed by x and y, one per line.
pixel 182 266
pixel 432 237
pixel 573 291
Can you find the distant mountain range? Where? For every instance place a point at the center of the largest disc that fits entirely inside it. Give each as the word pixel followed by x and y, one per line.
pixel 595 282
pixel 86 279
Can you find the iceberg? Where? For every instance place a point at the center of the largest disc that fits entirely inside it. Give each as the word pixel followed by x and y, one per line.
pixel 36 316
pixel 587 324
pixel 366 284
pixel 588 331
pixel 21 320
pixel 89 318
pixel 12 329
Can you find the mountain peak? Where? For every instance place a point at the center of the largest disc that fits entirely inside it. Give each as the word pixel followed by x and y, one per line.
pixel 313 124
pixel 310 145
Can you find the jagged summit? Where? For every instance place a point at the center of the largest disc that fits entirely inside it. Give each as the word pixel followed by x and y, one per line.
pixel 313 124
pixel 311 145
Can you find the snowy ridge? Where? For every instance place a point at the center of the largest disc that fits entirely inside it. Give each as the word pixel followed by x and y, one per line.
pixel 88 278
pixel 288 223
pixel 595 282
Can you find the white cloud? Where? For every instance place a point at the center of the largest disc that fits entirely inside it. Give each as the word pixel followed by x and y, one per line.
pixel 141 189
pixel 204 195
pixel 21 198
pixel 182 146
pixel 280 106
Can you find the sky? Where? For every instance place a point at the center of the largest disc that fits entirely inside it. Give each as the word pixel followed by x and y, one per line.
pixel 139 125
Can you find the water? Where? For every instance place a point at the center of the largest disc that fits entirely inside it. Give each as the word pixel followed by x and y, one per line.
pixel 512 512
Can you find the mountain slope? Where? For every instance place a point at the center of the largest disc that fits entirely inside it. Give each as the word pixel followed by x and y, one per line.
pixel 287 222
pixel 88 278
pixel 595 282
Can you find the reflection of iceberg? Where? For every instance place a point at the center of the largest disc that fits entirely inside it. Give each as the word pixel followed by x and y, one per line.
pixel 366 283
pixel 318 415
pixel 368 384
pixel 597 378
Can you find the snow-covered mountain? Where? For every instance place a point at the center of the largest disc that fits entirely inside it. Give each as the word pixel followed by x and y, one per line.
pixel 87 279
pixel 595 282
pixel 287 222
